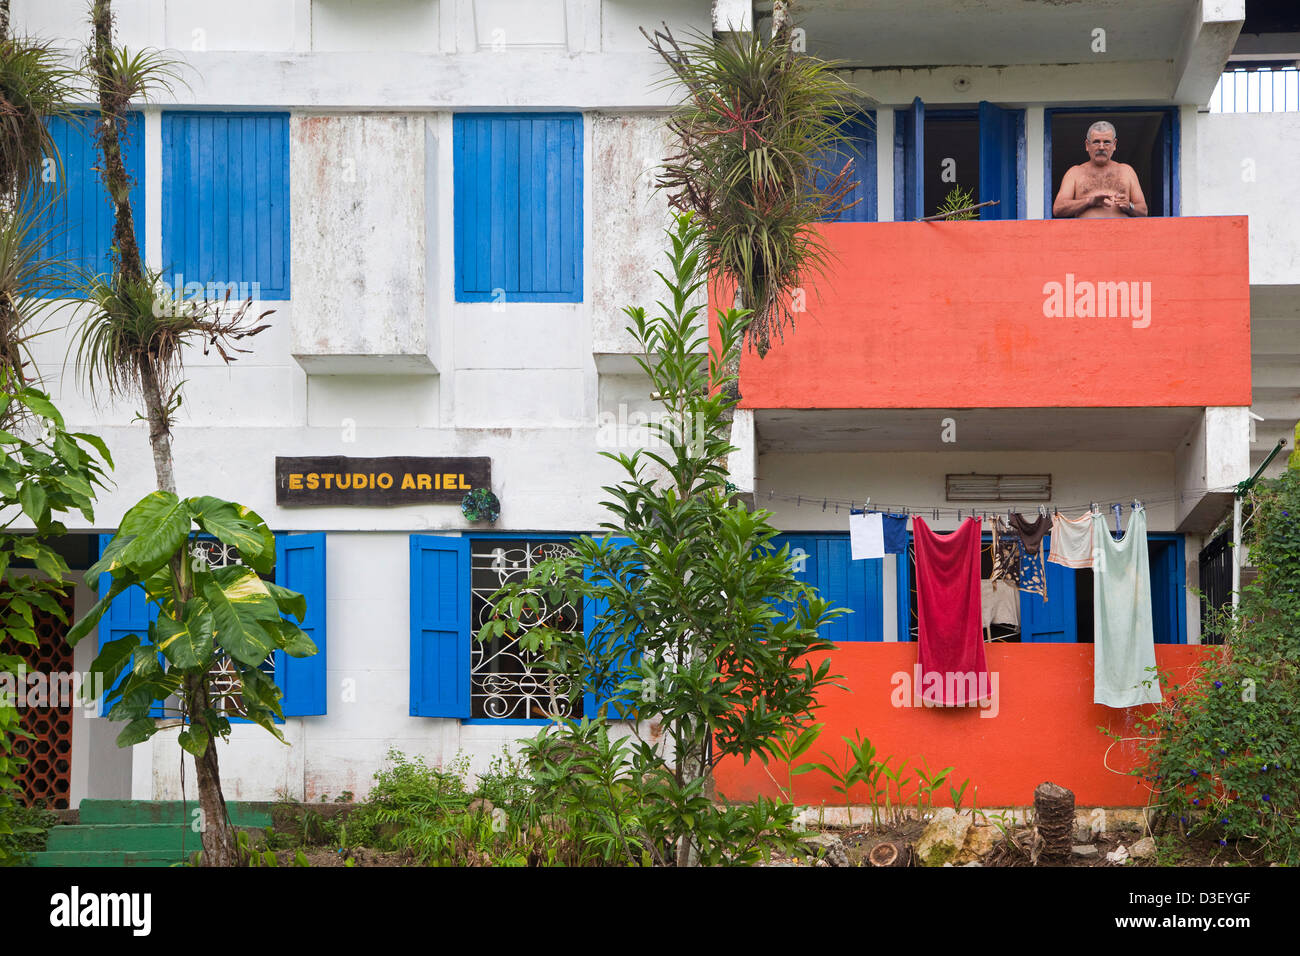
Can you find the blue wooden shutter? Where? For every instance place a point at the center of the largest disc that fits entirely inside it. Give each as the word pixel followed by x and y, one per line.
pixel 129 613
pixel 591 612
pixel 517 193
pixel 300 566
pixel 225 200
pixel 861 148
pixel 440 612
pixel 1053 621
pixel 77 224
pixel 1168 591
pixel 909 162
pixel 856 585
pixel 1002 168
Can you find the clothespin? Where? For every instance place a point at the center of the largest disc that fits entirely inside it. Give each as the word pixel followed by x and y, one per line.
pixel 798 500
pixel 1095 509
pixel 1042 511
pixel 1136 504
pixel 823 504
pixel 1117 508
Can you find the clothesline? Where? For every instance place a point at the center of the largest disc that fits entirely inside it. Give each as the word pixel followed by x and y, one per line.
pixel 949 509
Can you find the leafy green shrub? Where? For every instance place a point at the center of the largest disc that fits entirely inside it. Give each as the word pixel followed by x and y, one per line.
pixel 1223 753
pixel 28 830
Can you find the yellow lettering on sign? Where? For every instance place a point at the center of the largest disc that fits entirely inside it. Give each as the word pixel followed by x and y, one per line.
pixel 425 483
pixel 341 484
pixel 295 482
pixel 385 480
pixel 462 486
pixel 408 482
pixel 448 481
pixel 328 479
pixel 313 481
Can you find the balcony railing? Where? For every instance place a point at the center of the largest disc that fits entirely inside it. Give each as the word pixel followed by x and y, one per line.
pixel 1264 90
pixel 1017 314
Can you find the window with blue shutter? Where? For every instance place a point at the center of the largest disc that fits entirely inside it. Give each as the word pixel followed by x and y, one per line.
pixel 300 566
pixel 600 635
pixel 225 203
pixel 76 220
pixel 517 195
pixel 823 561
pixel 440 626
pixel 129 613
pixel 860 148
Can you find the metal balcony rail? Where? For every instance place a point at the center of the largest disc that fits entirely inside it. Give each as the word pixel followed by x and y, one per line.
pixel 1262 90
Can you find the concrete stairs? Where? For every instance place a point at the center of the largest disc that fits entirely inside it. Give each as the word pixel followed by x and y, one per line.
pixel 135 833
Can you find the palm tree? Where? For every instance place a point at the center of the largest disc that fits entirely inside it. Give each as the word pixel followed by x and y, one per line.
pixel 132 340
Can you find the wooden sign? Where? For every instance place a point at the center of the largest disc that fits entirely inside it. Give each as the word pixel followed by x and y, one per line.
pixel 337 480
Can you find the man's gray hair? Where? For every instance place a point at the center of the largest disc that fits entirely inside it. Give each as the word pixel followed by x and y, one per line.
pixel 1104 127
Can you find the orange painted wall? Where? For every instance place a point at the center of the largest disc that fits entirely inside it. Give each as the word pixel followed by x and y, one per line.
pixel 1045 727
pixel 950 315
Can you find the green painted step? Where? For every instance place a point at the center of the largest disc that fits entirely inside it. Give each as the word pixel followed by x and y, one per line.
pixel 166 837
pixel 166 811
pixel 57 858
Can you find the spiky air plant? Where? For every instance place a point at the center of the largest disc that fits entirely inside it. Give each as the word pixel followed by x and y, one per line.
pixel 753 123
pixel 35 83
pixel 132 341
pixel 28 282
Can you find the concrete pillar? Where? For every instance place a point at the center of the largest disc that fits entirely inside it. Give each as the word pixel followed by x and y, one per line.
pixel 1212 457
pixel 742 464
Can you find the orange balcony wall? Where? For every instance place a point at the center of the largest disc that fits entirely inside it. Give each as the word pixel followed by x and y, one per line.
pixel 1033 314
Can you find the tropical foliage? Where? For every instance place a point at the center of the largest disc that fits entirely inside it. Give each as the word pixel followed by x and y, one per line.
pixel 755 121
pixel 205 616
pixel 703 628
pixel 48 474
pixel 1222 753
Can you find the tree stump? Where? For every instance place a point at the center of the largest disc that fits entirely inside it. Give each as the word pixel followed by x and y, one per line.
pixel 889 854
pixel 1054 821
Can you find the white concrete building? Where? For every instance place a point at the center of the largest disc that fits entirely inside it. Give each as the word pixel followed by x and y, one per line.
pixel 447 203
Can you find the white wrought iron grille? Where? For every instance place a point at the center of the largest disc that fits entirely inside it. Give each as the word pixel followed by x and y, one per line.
pixel 224 684
pixel 505 680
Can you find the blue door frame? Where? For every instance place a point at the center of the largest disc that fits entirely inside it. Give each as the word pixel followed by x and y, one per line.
pixel 1169 129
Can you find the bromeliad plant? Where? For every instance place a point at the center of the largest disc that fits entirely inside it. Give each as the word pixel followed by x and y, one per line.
pixel 755 120
pixel 205 615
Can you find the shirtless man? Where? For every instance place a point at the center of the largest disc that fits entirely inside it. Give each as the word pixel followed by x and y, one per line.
pixel 1100 188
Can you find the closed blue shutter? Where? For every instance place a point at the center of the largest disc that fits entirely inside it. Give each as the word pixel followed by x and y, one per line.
pixel 909 160
pixel 856 585
pixel 1055 620
pixel 225 201
pixel 597 636
pixel 1168 590
pixel 300 566
pixel 77 224
pixel 1002 162
pixel 517 193
pixel 861 149
pixel 440 612
pixel 129 613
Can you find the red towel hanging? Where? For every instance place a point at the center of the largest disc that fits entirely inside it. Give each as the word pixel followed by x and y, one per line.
pixel 948 611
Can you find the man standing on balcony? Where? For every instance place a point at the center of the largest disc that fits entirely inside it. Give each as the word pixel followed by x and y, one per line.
pixel 1100 188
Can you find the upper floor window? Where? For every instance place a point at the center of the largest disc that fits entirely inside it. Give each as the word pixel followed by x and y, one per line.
pixel 1145 139
pixel 860 148
pixel 225 204
pixel 980 152
pixel 76 221
pixel 518 206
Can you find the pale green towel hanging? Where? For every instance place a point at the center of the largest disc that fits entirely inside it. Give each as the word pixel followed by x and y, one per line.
pixel 1124 640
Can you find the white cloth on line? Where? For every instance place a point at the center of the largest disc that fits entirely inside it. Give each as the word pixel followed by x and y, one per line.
pixel 999 603
pixel 1124 644
pixel 866 536
pixel 1071 541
